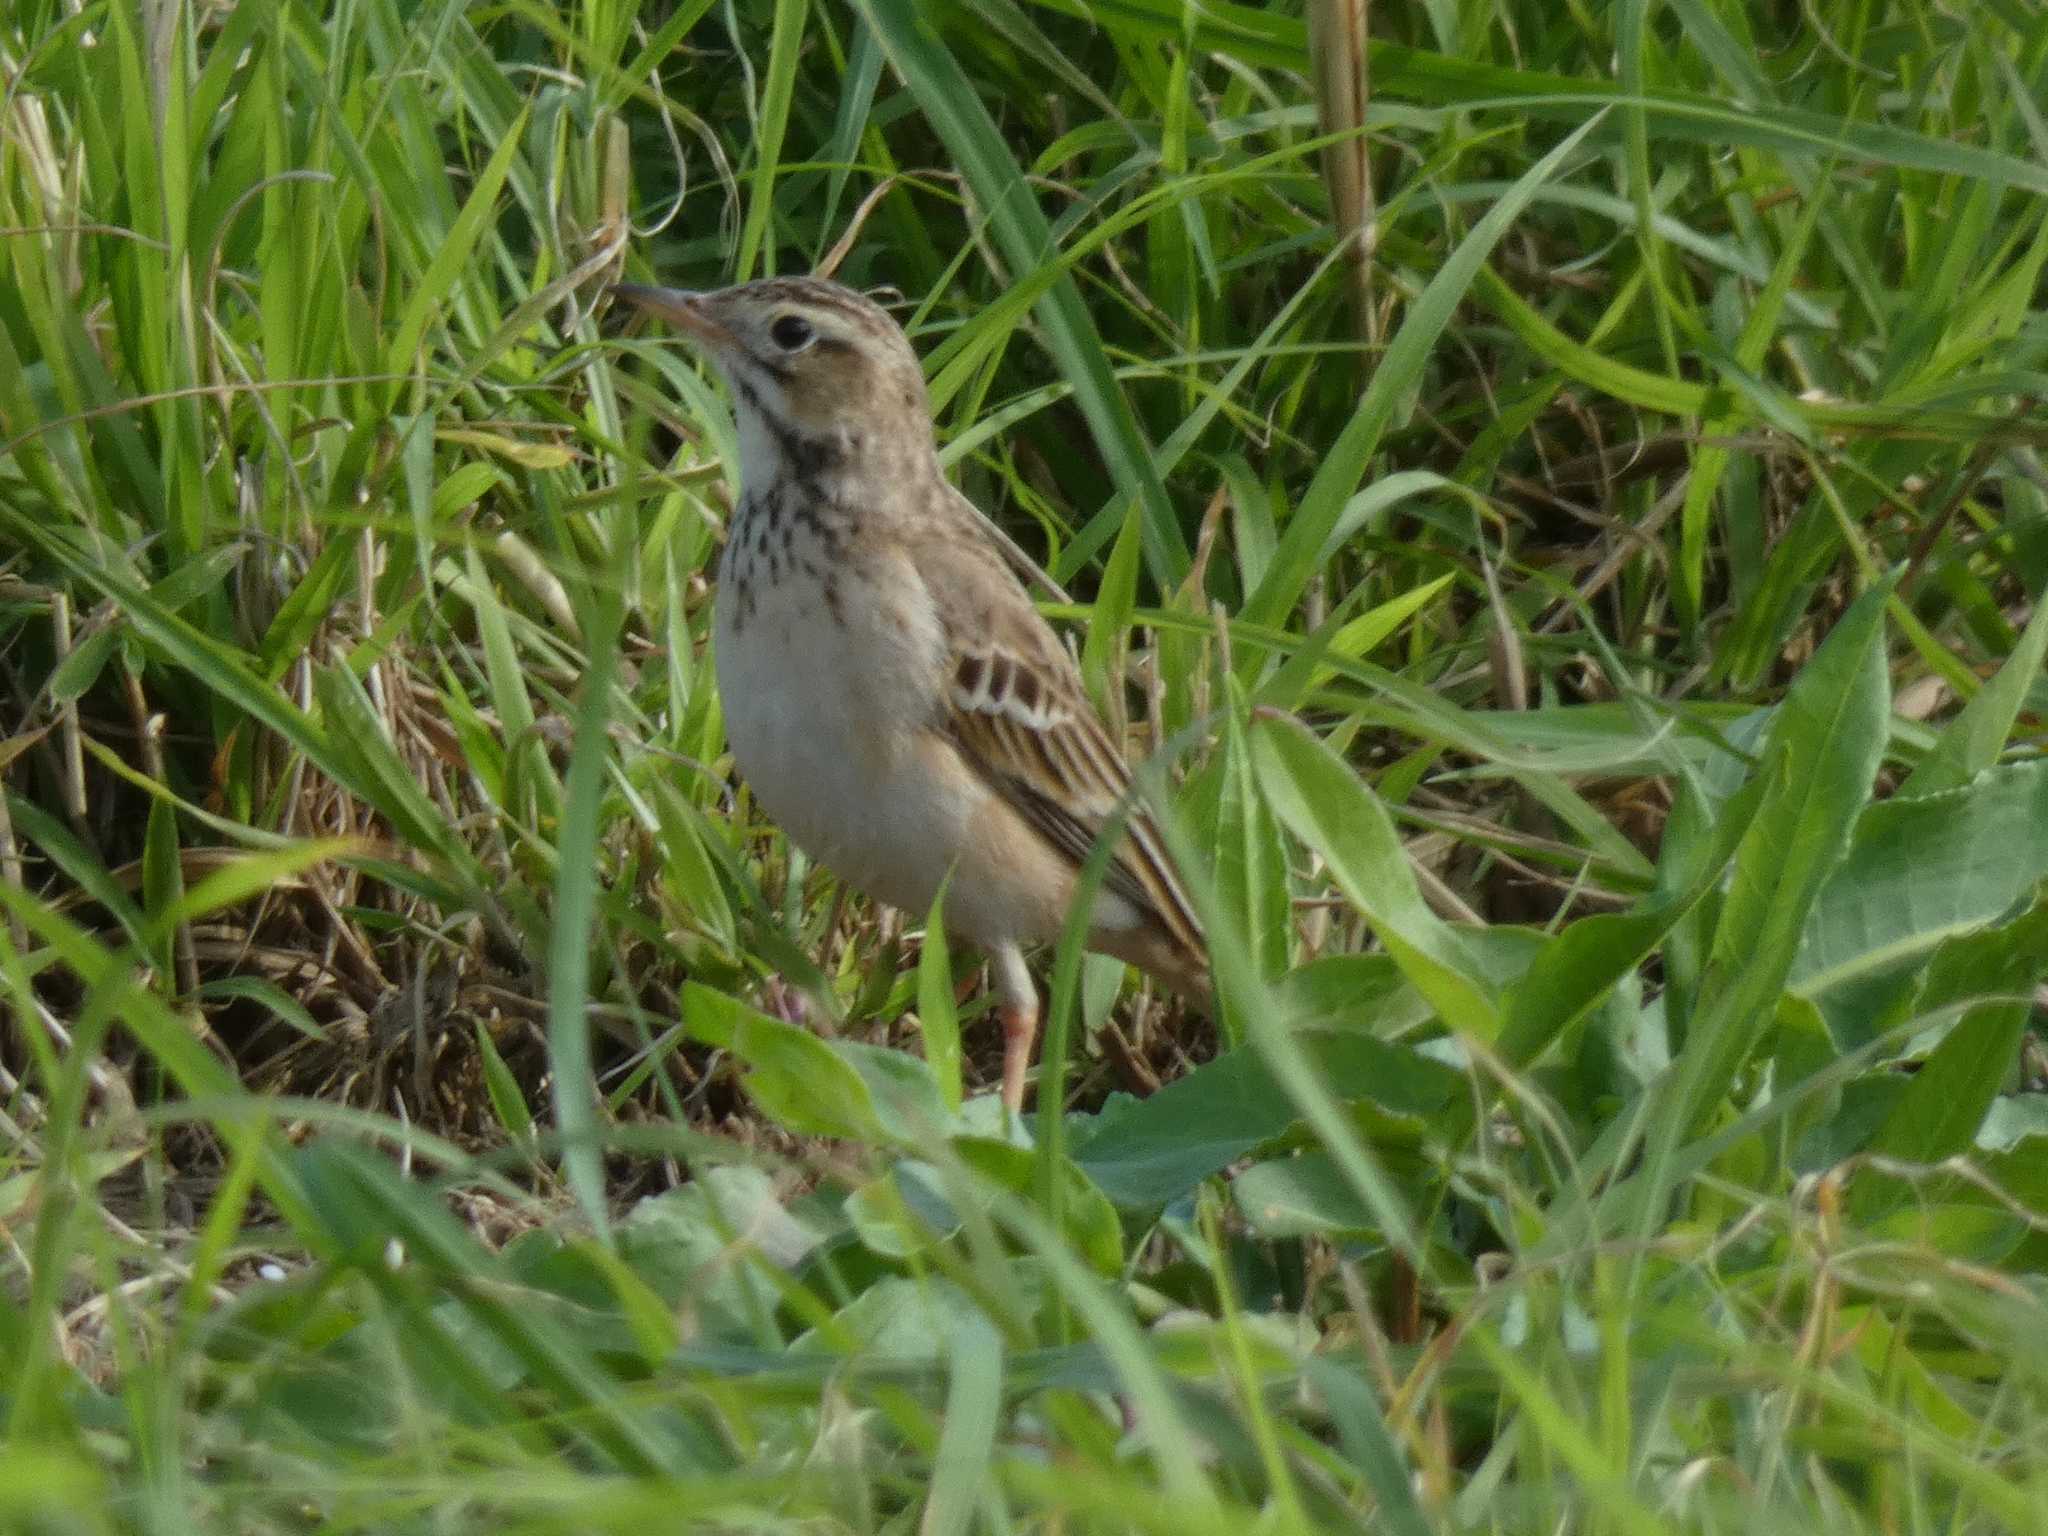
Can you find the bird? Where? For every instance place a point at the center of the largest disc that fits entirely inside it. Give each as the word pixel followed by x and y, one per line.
pixel 892 696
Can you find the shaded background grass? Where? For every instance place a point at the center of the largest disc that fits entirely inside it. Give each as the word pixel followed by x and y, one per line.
pixel 1460 443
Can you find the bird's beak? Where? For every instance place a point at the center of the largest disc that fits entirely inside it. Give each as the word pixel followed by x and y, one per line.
pixel 680 307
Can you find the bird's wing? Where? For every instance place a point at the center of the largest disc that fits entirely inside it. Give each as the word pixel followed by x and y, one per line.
pixel 1015 708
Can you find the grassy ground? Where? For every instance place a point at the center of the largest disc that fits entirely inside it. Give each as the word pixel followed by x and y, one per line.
pixel 1586 622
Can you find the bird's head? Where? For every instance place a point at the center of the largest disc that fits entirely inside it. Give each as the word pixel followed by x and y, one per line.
pixel 817 371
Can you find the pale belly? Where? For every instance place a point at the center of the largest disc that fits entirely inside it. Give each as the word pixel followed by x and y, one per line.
pixel 821 712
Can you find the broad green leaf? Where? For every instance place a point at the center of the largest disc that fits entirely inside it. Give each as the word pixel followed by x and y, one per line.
pixel 1086 1215
pixel 1883 1345
pixel 690 1244
pixel 1247 858
pixel 802 1083
pixel 1302 1196
pixel 1329 808
pixel 1822 756
pixel 1576 968
pixel 1144 1153
pixel 905 1092
pixel 896 1321
pixel 1920 871
pixel 901 1215
pixel 1938 1113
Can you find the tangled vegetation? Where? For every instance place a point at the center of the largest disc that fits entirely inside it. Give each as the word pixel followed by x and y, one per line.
pixel 1557 490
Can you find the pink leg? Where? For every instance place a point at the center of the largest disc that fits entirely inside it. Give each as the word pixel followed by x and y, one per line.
pixel 1019 1014
pixel 1020 1028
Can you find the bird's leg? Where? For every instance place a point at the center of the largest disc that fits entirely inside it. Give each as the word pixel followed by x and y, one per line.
pixel 1019 1014
pixel 1020 1028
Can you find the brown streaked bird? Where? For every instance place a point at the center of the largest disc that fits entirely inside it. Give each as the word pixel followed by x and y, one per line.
pixel 891 695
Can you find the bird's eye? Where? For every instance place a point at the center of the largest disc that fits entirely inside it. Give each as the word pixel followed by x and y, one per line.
pixel 792 333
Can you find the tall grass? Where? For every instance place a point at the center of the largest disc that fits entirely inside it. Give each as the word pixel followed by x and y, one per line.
pixel 1559 490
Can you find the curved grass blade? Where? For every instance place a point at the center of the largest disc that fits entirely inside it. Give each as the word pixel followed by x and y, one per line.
pixel 1301 545
pixel 1025 238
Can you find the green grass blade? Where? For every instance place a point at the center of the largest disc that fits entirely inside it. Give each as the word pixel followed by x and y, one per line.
pixel 770 126
pixel 1392 382
pixel 576 901
pixel 1019 228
